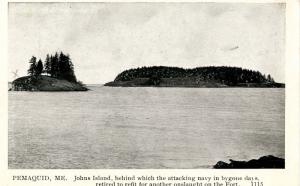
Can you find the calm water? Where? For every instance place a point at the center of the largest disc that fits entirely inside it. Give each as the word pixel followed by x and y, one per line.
pixel 144 127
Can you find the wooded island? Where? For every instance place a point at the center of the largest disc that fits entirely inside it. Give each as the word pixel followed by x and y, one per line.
pixel 212 76
pixel 55 74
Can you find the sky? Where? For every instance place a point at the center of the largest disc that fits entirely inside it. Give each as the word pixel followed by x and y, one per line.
pixel 103 39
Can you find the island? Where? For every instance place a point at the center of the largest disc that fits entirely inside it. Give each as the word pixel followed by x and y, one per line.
pixel 55 74
pixel 210 77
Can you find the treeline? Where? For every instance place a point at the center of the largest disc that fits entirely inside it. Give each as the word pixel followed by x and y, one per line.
pixel 58 66
pixel 226 75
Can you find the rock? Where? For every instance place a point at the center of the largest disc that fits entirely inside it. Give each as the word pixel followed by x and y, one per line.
pixel 221 164
pixel 45 83
pixel 263 162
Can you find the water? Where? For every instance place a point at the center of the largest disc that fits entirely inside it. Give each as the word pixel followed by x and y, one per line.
pixel 144 127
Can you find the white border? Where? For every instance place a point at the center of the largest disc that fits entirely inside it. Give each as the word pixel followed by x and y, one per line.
pixel 280 177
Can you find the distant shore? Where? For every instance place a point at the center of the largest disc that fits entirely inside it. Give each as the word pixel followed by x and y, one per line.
pixel 201 77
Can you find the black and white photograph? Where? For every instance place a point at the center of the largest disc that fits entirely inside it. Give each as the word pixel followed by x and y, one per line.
pixel 148 85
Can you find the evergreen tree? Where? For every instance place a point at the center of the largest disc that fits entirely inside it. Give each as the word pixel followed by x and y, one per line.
pixel 71 74
pixel 54 65
pixel 51 72
pixel 270 79
pixel 58 66
pixel 63 65
pixel 47 65
pixel 39 68
pixel 32 68
pixel 66 69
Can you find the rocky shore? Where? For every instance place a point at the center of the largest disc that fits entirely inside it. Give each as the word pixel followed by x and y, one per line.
pixel 45 83
pixel 269 161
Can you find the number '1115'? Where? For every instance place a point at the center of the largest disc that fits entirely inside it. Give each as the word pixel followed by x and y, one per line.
pixel 256 183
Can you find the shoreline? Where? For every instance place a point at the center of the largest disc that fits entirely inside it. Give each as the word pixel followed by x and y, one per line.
pixel 45 83
pixel 188 83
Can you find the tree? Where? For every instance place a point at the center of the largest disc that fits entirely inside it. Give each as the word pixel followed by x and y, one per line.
pixel 47 65
pixel 32 68
pixel 66 69
pixel 71 74
pixel 58 66
pixel 54 65
pixel 270 79
pixel 39 68
pixel 63 65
